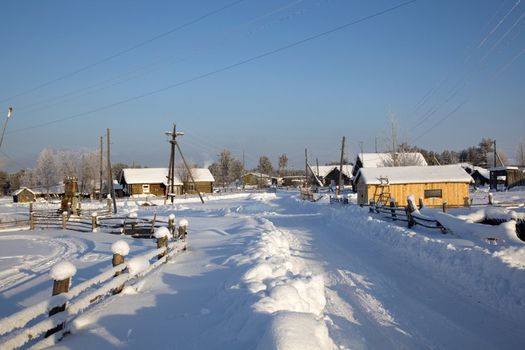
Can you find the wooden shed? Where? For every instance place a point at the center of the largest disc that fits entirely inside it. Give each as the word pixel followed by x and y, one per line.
pixel 329 174
pixel 380 160
pixel 204 181
pixel 147 181
pixel 24 195
pixel 256 179
pixel 435 184
pixel 508 176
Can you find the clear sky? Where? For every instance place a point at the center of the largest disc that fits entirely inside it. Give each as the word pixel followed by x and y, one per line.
pixel 450 71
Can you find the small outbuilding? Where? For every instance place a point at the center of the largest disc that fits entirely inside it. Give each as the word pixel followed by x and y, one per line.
pixel 256 179
pixel 204 181
pixel 23 195
pixel 381 160
pixel 435 184
pixel 508 176
pixel 329 174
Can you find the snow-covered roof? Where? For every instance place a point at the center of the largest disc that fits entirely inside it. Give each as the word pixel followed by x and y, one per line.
pixel 147 176
pixel 377 160
pixel 472 168
pixel 324 170
pixel 414 174
pixel 202 175
pixel 17 192
pixel 256 174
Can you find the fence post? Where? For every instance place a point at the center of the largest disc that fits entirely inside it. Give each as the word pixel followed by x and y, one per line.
pixel 183 230
pixel 120 249
pixel 94 221
pixel 162 235
pixel 61 274
pixel 372 204
pixel 421 203
pixel 491 199
pixel 410 218
pixel 108 203
pixel 444 207
pixel 31 217
pixel 171 224
pixel 64 220
pixel 392 210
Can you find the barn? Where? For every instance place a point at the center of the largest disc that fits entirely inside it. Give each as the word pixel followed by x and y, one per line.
pixel 24 195
pixel 147 181
pixel 435 184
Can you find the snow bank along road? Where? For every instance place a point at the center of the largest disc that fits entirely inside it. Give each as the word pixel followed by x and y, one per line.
pixel 270 271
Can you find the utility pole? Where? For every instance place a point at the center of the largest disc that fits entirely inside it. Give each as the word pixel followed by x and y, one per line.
pixel 306 167
pixel 101 167
pixel 375 143
pixel 317 162
pixel 495 153
pixel 174 144
pixel 111 190
pixel 9 113
pixel 341 166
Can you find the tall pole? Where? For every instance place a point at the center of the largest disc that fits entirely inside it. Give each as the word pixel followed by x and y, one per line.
pixel 376 143
pixel 306 167
pixel 9 113
pixel 495 154
pixel 111 190
pixel 101 167
pixel 341 165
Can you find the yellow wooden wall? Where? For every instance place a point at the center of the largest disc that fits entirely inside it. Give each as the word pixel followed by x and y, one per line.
pixel 454 193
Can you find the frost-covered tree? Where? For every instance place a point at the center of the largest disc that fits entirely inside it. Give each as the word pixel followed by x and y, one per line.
pixel 46 171
pixel 227 169
pixel 520 154
pixel 283 163
pixel 265 165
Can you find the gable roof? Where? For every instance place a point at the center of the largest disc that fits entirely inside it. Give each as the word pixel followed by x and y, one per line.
pixel 17 192
pixel 414 174
pixel 472 169
pixel 147 176
pixel 377 160
pixel 202 175
pixel 324 170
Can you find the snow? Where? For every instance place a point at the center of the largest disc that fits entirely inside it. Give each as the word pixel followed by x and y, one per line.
pixel 137 265
pixel 415 174
pixel 147 176
pixel 183 223
pixel 202 175
pixel 267 271
pixel 162 232
pixel 120 247
pixel 172 217
pixel 62 271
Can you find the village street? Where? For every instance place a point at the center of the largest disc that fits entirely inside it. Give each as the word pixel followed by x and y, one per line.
pixel 257 265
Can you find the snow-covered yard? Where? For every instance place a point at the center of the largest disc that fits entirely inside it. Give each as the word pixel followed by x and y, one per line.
pixel 267 271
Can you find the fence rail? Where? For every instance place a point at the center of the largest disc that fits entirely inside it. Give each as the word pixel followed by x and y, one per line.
pixel 52 315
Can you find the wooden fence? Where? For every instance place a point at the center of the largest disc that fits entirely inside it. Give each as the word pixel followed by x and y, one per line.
pixel 45 323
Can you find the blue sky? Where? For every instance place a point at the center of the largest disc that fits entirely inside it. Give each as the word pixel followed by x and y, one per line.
pixel 450 71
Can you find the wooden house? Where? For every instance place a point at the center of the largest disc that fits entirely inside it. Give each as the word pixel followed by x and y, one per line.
pixel 293 180
pixel 204 181
pixel 23 195
pixel 481 176
pixel 256 179
pixel 507 176
pixel 147 181
pixel 435 184
pixel 381 160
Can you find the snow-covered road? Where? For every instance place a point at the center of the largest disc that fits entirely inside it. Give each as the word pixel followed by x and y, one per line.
pixel 270 271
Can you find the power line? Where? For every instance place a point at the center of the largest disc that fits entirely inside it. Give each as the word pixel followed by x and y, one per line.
pixel 225 68
pixel 129 49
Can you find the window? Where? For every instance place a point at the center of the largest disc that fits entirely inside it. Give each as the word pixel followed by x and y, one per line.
pixel 434 193
pixel 145 188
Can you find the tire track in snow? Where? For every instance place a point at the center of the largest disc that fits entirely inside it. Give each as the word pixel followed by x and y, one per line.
pixel 59 249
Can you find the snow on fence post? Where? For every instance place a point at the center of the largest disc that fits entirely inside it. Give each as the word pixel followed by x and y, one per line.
pixel 393 210
pixel 444 206
pixel 421 203
pixel 120 249
pixel 108 203
pixel 64 220
pixel 171 224
pixel 183 229
pixel 162 235
pixel 61 274
pixel 491 199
